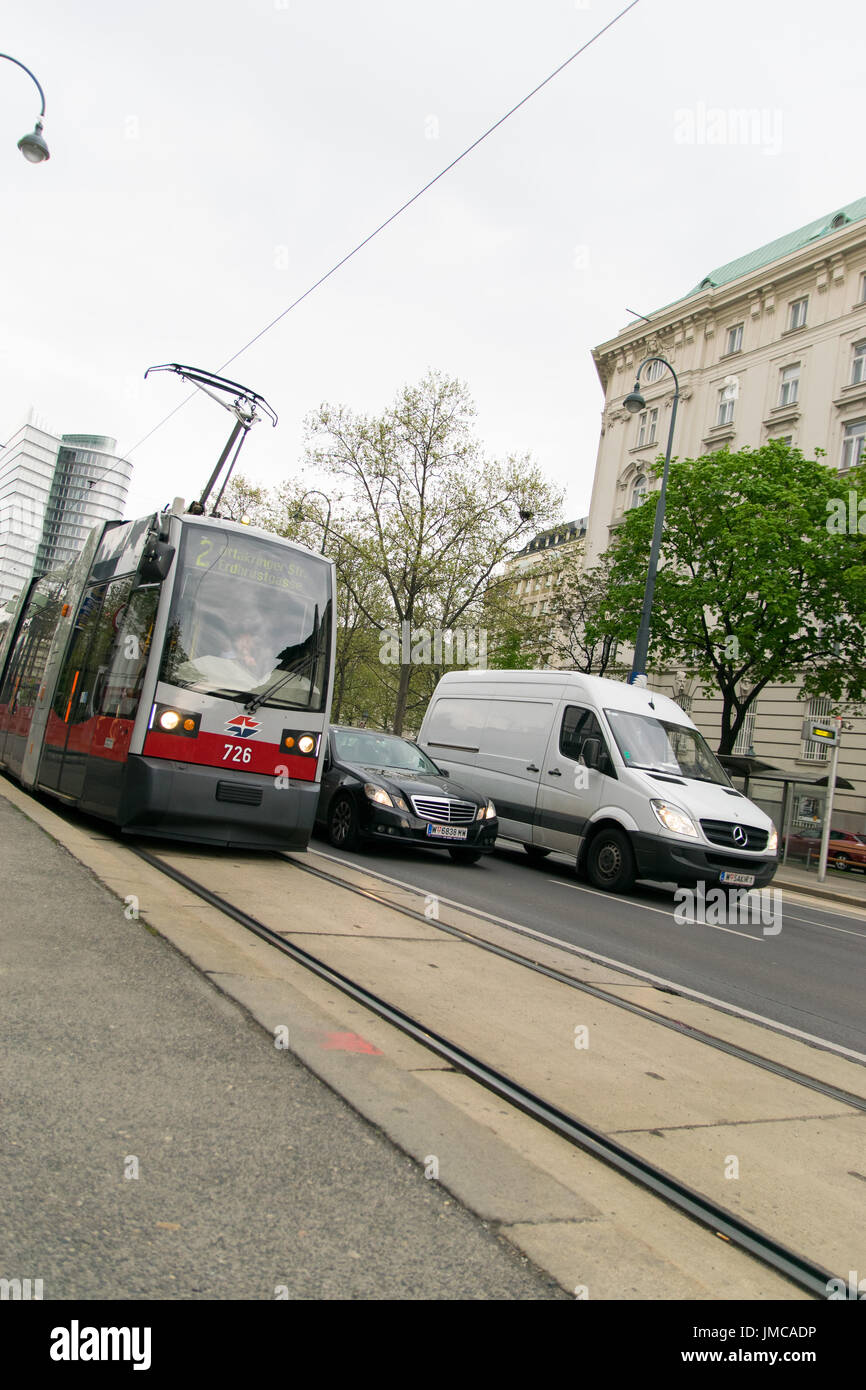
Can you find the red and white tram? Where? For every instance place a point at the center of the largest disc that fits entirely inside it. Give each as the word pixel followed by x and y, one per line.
pixel 176 680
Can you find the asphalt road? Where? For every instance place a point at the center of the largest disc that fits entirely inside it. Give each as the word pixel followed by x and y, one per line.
pixel 154 1144
pixel 808 975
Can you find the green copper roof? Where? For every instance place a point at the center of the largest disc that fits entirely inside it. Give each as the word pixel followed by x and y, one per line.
pixel 782 246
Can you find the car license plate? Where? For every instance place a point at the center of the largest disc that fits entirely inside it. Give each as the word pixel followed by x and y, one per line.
pixel 447 832
pixel 744 880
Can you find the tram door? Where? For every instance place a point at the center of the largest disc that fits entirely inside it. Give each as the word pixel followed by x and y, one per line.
pixel 25 668
pixel 69 729
pixel 130 613
pixel 95 702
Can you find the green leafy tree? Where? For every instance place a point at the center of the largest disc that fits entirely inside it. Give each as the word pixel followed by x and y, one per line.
pixel 759 580
pixel 431 515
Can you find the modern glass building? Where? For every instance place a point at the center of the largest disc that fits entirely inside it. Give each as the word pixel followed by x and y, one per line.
pixel 53 491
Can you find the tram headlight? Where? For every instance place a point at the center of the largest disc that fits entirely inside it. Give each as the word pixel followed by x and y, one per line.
pixel 302 742
pixel 168 719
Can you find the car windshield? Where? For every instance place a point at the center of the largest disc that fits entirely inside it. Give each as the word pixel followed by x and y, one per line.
pixel 250 621
pixel 385 752
pixel 656 745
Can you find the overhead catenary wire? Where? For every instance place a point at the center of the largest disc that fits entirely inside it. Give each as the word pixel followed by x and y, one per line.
pixel 387 222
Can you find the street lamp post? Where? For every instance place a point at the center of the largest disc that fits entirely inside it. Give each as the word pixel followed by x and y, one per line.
pixel 33 147
pixel 314 492
pixel 633 403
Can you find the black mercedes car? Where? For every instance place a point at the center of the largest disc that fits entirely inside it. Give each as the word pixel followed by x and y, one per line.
pixel 381 787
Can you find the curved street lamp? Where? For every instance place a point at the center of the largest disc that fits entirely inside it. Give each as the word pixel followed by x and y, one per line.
pixel 33 147
pixel 633 403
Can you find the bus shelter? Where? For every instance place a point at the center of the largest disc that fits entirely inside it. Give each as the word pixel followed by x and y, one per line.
pixel 795 801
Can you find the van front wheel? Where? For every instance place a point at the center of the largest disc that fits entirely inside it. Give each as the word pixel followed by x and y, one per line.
pixel 610 861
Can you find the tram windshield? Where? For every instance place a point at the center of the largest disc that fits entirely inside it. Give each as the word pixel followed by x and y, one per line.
pixel 250 620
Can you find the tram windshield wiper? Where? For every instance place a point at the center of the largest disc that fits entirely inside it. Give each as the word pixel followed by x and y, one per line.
pixel 291 671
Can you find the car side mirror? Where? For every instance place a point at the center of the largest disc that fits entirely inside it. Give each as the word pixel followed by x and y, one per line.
pixel 591 753
pixel 444 770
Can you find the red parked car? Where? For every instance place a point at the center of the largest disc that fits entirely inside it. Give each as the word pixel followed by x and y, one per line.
pixel 846 849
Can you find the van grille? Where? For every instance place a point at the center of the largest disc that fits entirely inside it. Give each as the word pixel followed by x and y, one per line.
pixel 721 832
pixel 443 811
pixel 239 792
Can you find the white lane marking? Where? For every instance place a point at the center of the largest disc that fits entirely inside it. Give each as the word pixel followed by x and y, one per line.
pixel 714 926
pixel 586 953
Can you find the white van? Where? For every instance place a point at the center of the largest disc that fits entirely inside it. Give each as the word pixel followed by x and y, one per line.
pixel 611 773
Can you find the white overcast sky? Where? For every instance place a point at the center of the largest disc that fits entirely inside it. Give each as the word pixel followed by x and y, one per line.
pixel 210 159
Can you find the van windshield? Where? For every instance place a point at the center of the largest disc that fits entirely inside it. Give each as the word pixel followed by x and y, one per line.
pixel 654 745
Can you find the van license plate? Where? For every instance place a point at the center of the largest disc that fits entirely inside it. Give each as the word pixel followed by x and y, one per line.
pixel 745 880
pixel 447 832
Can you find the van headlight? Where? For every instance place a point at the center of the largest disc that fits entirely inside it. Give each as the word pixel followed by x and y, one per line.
pixel 773 842
pixel 672 818
pixel 486 812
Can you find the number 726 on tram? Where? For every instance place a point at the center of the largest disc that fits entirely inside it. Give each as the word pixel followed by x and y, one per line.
pixel 176 680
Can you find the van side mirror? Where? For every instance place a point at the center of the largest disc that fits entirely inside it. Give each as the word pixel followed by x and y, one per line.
pixel 591 752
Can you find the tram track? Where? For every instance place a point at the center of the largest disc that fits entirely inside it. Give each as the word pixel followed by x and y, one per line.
pixel 802 1271
pixel 687 1030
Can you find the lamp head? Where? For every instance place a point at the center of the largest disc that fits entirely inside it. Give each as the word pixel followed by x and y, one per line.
pixel 634 401
pixel 33 147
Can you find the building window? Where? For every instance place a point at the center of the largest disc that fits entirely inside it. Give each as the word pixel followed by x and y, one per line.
pixel 852 444
pixel 653 371
pixel 797 312
pixel 819 708
pixel 639 491
pixel 648 420
pixel 745 740
pixel 863 288
pixel 735 338
pixel 726 406
pixel 858 367
pixel 790 385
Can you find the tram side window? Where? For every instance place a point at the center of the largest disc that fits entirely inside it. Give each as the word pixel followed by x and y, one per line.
pixel 72 696
pixel 131 614
pixel 28 659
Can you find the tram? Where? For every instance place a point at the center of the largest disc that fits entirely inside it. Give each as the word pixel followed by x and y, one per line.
pixel 175 680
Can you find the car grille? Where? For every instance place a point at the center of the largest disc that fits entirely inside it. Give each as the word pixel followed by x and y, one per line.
pixel 442 811
pixel 721 832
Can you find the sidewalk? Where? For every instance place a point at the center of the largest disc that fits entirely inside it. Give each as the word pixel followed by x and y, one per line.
pixel 837 887
pixel 156 1144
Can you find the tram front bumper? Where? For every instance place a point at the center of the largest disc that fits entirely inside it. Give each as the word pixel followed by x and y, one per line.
pixel 210 805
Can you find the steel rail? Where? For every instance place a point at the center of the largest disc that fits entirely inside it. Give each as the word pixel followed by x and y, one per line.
pixel 800 1270
pixel 687 1030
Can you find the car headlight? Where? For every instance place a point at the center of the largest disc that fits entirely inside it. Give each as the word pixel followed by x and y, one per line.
pixel 773 842
pixel 672 818
pixel 486 812
pixel 377 794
